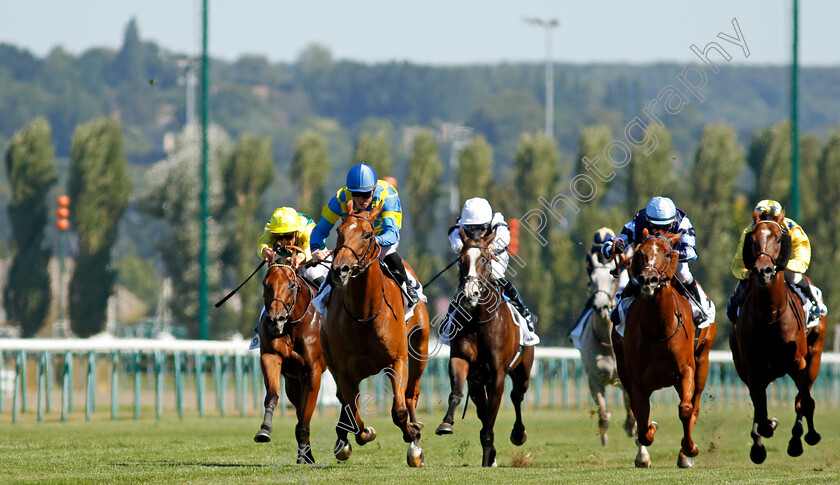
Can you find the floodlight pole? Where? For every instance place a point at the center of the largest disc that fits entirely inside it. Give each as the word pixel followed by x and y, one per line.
pixel 202 290
pixel 549 71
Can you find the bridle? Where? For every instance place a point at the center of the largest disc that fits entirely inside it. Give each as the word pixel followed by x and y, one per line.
pixel 361 265
pixel 295 291
pixel 763 253
pixel 363 262
pixel 661 272
pixel 480 281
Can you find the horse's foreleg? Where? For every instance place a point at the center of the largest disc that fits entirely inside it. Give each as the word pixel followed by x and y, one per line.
pixel 399 414
pixel 685 389
pixel 495 391
pixel 458 369
pixel 520 376
pixel 630 421
pixel 305 408
pixel 640 403
pixel 596 388
pixel 418 354
pixel 804 408
pixel 271 365
pixel 761 425
pixel 349 419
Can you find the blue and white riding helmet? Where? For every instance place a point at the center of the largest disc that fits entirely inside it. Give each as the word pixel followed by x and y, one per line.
pixel 361 178
pixel 602 235
pixel 661 211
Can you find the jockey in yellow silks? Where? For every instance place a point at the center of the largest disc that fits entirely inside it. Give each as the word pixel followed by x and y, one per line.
pixel 368 192
pixel 288 227
pixel 800 258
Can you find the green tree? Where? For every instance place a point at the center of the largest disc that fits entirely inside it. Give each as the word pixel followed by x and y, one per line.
pixel 99 187
pixel 375 150
pixel 825 237
pixel 247 173
pixel 310 166
pixel 172 195
pixel 475 169
pixel 811 152
pixel 129 64
pixel 717 163
pixel 536 163
pixel 424 174
pixel 652 174
pixel 769 157
pixel 30 167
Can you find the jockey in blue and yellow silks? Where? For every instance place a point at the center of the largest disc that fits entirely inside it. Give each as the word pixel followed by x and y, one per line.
pixel 800 258
pixel 367 193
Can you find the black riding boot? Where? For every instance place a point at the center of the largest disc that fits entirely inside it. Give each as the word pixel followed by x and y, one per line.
pixel 735 301
pixel 395 265
pixel 805 288
pixel 586 307
pixel 516 299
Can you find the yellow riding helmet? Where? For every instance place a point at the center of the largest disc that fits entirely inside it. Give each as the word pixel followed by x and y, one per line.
pixel 285 220
pixel 769 207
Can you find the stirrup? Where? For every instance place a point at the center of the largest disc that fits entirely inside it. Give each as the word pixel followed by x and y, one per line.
pixel 814 313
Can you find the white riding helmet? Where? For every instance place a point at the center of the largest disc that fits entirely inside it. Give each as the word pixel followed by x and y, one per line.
pixel 476 211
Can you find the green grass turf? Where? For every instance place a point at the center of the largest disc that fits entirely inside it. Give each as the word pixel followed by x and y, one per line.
pixel 563 448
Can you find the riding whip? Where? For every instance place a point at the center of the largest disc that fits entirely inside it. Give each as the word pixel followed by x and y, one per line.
pixel 441 272
pixel 226 298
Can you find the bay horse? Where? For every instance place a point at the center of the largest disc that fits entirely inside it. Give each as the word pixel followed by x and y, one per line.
pixel 596 350
pixel 290 345
pixel 366 333
pixel 770 339
pixel 658 348
pixel 484 347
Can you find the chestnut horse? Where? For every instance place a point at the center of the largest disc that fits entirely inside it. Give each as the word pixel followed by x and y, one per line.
pixel 365 333
pixel 290 345
pixel 658 348
pixel 484 347
pixel 770 340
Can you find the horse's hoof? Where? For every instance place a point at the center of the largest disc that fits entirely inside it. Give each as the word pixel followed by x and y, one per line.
pixel 795 447
pixel 518 440
pixel 812 438
pixel 262 436
pixel 415 457
pixel 344 452
pixel 444 428
pixel 758 454
pixel 684 461
pixel 692 452
pixel 642 463
pixel 766 431
pixel 630 429
pixel 366 436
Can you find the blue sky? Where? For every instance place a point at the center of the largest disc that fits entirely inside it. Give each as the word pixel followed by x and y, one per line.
pixel 434 31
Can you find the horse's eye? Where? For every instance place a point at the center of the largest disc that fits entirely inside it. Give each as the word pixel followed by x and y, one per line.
pixel 367 235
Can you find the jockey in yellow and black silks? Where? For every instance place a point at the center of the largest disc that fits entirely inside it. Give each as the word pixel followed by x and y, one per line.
pixel 800 259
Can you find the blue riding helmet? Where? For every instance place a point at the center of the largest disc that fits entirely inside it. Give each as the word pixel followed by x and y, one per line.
pixel 661 211
pixel 361 178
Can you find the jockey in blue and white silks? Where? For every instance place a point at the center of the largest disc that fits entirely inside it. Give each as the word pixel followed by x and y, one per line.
pixel 660 215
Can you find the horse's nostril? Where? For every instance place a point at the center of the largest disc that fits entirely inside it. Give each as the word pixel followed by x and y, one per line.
pixel 767 270
pixel 344 269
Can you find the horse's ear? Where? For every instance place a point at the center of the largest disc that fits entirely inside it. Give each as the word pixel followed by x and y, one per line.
pixel 463 233
pixel 374 213
pixel 351 206
pixel 671 270
pixel 673 239
pixel 488 238
pixel 645 233
pixel 746 252
pixel 784 252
